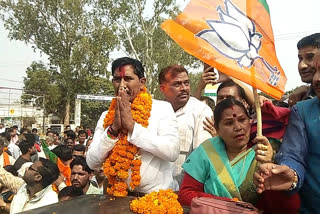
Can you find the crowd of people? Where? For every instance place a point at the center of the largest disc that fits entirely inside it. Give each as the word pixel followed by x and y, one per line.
pixel 187 143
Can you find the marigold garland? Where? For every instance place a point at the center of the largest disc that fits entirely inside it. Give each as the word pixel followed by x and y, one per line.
pixel 125 155
pixel 162 202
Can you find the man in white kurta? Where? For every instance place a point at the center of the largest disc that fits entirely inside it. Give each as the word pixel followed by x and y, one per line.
pixel 32 183
pixel 190 112
pixel 158 143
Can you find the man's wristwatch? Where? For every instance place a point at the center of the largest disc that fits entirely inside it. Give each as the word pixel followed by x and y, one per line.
pixel 295 180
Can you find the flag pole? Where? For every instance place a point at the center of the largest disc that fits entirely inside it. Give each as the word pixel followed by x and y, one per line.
pixel 258 112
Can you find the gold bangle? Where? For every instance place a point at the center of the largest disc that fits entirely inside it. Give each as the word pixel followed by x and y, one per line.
pixel 295 180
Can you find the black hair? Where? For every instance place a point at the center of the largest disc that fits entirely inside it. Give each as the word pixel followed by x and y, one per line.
pixel 63 152
pixel 82 162
pixel 34 130
pixel 312 40
pixel 56 133
pixel 71 134
pixel 1 141
pixel 6 135
pixel 83 132
pixel 49 172
pixel 231 83
pixel 280 104
pixel 136 64
pixel 25 145
pixel 224 104
pixel 11 169
pixel 25 130
pixel 79 148
pixel 173 69
pixel 70 191
pixel 49 132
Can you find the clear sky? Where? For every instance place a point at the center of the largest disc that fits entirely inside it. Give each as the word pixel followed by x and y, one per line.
pixel 291 20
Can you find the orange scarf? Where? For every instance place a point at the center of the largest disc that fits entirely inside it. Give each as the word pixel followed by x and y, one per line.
pixel 125 155
pixel 65 171
pixel 6 160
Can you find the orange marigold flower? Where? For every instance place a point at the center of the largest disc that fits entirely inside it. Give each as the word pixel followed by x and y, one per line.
pixel 120 159
pixel 136 162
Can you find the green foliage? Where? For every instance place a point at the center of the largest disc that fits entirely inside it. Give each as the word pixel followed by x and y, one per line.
pixel 40 81
pixel 69 33
pixel 138 28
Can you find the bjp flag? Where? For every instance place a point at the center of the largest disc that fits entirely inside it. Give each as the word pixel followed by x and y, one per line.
pixel 235 37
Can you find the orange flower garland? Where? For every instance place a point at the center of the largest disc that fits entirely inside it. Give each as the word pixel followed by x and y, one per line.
pixel 162 202
pixel 125 155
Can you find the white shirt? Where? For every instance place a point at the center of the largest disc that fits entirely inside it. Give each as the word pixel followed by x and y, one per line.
pixel 22 202
pixel 14 149
pixel 158 143
pixel 93 190
pixel 2 130
pixel 191 132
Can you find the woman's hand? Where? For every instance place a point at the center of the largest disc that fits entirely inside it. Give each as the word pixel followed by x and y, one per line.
pixel 208 125
pixel 263 149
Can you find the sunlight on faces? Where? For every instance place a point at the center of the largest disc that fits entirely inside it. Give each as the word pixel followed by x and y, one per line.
pixel 79 177
pixel 82 138
pixel 176 89
pixel 234 127
pixel 305 65
pixel 32 175
pixel 125 79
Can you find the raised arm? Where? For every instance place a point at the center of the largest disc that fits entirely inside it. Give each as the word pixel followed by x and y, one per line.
pixel 13 183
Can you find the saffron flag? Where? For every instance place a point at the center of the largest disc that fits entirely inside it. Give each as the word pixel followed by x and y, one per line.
pixel 235 37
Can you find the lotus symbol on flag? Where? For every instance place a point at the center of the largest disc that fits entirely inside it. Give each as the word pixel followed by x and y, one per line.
pixel 235 37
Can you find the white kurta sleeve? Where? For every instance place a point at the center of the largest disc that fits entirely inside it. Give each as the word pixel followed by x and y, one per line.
pixel 100 146
pixel 201 134
pixel 162 142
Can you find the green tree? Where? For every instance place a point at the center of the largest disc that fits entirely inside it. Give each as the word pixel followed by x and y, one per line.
pixel 40 82
pixel 138 29
pixel 69 32
pixel 91 110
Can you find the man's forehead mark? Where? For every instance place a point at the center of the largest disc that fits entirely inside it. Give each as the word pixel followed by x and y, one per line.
pixel 122 71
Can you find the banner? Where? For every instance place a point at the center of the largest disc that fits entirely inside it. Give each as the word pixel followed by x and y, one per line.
pixel 235 37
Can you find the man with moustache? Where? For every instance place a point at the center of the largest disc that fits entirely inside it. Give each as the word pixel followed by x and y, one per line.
pixel 298 159
pixel 81 175
pixel 157 141
pixel 308 47
pixel 190 112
